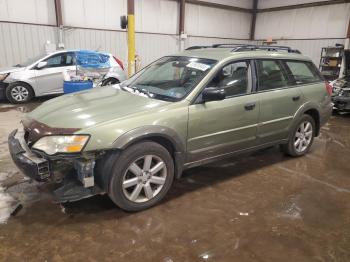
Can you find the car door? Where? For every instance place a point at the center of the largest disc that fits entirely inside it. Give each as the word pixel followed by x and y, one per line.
pixel 220 127
pixel 49 79
pixel 279 100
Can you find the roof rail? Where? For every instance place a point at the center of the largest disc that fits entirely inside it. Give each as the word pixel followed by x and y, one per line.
pixel 249 47
pixel 227 45
pixel 198 47
pixel 265 47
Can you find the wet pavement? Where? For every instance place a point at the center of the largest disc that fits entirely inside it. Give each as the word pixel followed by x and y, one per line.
pixel 260 207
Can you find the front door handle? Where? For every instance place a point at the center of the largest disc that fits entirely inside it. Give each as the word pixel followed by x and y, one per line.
pixel 249 106
pixel 296 98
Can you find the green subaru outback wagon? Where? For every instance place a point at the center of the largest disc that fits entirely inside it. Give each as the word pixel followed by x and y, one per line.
pixel 132 140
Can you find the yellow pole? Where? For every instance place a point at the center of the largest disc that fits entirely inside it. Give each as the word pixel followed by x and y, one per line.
pixel 131 38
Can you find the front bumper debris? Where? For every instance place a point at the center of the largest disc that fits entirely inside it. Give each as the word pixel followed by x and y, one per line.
pixel 71 190
pixel 75 185
pixel 31 165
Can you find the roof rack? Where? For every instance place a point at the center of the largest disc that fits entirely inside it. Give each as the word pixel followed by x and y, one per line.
pixel 198 47
pixel 227 45
pixel 265 47
pixel 249 47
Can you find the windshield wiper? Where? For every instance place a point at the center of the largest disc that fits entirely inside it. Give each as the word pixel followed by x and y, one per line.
pixel 123 88
pixel 148 93
pixel 134 89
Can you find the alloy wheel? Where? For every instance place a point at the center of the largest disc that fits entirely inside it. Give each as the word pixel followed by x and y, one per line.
pixel 303 136
pixel 19 93
pixel 144 178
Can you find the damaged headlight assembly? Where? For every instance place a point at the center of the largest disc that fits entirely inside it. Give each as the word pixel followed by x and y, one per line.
pixel 61 144
pixel 4 76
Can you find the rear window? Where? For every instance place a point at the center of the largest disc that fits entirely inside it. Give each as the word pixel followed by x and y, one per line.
pixel 303 72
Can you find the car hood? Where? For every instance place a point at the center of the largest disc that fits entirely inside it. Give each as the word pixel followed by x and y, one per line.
pixel 88 108
pixel 5 70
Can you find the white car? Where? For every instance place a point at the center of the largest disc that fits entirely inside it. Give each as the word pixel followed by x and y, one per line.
pixel 42 76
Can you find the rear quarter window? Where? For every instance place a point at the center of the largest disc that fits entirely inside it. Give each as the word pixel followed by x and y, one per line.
pixel 303 72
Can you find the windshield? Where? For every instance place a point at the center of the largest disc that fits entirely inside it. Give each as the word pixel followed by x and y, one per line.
pixel 170 78
pixel 30 61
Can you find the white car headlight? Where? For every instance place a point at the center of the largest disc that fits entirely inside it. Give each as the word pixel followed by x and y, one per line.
pixel 3 76
pixel 61 144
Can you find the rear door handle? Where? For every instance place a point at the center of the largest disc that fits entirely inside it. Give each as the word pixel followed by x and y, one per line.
pixel 249 106
pixel 296 98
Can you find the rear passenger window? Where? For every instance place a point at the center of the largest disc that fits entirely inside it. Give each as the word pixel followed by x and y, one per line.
pixel 270 75
pixel 303 72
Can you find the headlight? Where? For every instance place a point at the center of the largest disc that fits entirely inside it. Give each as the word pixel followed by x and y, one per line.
pixel 3 76
pixel 61 144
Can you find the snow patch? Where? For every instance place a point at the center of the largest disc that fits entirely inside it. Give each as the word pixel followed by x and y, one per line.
pixel 7 205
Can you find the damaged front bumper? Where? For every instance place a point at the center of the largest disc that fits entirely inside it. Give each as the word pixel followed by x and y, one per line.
pixel 31 165
pixel 74 186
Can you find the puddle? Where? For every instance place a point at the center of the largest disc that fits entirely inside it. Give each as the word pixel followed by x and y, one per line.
pixel 291 209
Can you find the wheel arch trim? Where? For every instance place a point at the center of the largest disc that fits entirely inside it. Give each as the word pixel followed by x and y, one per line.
pixel 111 77
pixel 152 131
pixel 304 108
pixel 149 131
pixel 19 82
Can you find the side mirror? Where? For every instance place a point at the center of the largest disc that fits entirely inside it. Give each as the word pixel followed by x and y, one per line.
pixel 213 94
pixel 41 65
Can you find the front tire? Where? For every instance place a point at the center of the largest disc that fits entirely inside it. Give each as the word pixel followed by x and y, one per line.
pixel 19 93
pixel 301 138
pixel 141 176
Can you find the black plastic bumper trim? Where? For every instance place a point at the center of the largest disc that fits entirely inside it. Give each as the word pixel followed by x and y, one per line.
pixel 39 172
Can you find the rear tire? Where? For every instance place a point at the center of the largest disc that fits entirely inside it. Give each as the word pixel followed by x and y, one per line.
pixel 110 81
pixel 301 138
pixel 141 176
pixel 19 93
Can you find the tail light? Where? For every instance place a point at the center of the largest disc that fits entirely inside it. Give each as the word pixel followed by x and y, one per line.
pixel 329 88
pixel 120 63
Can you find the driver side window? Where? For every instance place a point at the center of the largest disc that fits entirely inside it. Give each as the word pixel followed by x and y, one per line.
pixel 59 60
pixel 233 78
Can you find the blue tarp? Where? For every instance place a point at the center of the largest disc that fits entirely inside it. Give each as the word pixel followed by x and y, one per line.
pixel 92 59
